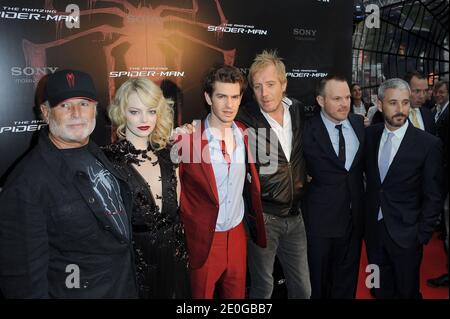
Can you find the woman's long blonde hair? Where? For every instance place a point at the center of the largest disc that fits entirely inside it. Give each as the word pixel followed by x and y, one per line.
pixel 150 95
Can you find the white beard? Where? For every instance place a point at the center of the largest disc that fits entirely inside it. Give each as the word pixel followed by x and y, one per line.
pixel 66 134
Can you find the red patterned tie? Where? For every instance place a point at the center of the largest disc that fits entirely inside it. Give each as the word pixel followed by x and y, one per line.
pixel 225 154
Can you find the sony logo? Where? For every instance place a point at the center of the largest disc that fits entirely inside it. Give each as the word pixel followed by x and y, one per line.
pixel 304 32
pixel 30 71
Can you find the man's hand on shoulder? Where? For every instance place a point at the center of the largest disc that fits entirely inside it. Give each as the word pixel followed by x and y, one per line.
pixel 184 129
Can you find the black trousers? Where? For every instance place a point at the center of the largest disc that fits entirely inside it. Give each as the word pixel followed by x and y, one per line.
pixel 334 265
pixel 399 267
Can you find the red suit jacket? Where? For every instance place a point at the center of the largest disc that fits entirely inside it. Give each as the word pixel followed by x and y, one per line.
pixel 199 200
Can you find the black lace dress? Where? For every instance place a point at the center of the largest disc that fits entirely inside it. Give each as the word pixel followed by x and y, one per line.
pixel 158 236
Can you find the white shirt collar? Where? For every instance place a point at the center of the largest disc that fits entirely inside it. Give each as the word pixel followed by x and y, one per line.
pixel 444 107
pixel 330 124
pixel 210 135
pixel 399 133
pixel 286 102
pixel 284 132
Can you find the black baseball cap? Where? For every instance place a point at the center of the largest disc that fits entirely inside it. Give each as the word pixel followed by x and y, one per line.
pixel 66 84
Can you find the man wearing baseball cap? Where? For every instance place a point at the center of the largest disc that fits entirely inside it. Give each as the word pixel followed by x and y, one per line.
pixel 64 218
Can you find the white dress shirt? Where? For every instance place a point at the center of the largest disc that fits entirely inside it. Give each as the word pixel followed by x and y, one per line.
pixel 229 178
pixel 351 140
pixel 396 141
pixel 284 132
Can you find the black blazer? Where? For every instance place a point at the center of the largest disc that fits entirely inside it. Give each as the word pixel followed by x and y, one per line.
pixel 334 194
pixel 410 195
pixel 49 219
pixel 428 120
pixel 442 133
pixel 427 117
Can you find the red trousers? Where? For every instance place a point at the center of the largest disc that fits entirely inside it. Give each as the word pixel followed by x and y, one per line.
pixel 224 269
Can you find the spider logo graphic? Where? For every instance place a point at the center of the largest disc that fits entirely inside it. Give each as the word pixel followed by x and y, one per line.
pixel 146 37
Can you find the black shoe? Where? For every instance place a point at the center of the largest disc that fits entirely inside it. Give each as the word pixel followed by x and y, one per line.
pixel 441 281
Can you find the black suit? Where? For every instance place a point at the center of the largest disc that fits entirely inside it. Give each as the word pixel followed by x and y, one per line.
pixel 377 118
pixel 410 199
pixel 333 211
pixel 442 133
pixel 428 120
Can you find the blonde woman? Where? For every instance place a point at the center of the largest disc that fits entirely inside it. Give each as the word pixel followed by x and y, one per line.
pixel 143 119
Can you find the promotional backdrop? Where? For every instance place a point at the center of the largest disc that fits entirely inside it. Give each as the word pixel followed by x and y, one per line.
pixel 172 42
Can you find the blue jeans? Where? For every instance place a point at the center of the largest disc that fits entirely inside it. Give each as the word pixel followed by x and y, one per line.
pixel 286 238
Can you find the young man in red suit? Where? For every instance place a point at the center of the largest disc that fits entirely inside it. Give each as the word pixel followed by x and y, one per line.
pixel 219 190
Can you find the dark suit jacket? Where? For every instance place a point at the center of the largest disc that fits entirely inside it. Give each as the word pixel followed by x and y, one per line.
pixel 377 118
pixel 427 117
pixel 199 200
pixel 333 189
pixel 410 195
pixel 442 133
pixel 49 219
pixel 428 120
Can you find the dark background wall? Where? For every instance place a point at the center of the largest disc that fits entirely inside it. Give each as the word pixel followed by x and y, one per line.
pixel 173 42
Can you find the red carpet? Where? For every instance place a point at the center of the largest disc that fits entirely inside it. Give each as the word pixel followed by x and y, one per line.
pixel 434 264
